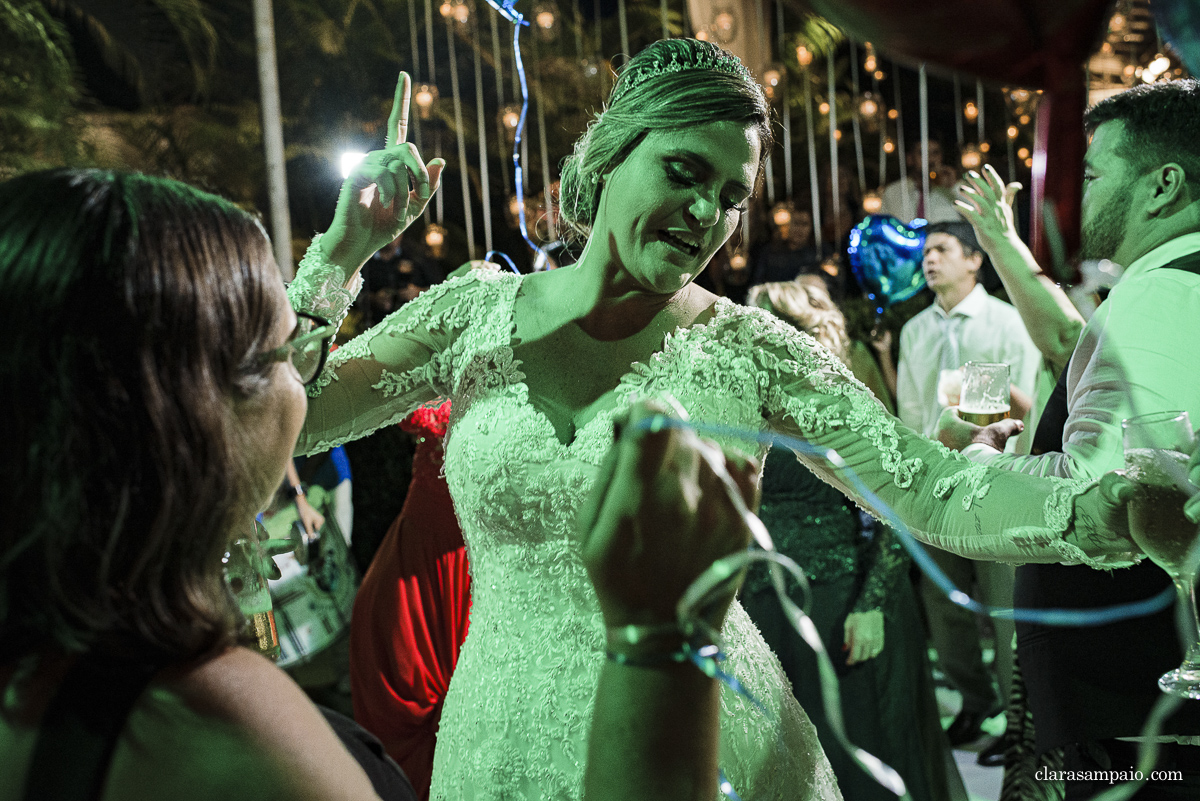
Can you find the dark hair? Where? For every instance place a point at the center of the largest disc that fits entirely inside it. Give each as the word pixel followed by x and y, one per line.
pixel 1161 124
pixel 673 83
pixel 961 231
pixel 135 307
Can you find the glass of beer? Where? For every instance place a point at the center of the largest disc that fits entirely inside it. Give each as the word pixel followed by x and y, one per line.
pixel 985 395
pixel 1156 456
pixel 245 575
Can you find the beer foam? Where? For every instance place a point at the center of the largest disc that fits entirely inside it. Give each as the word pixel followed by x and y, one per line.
pixel 1155 466
pixel 984 408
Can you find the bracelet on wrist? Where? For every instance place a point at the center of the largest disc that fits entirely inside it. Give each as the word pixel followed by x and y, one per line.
pixel 294 491
pixel 651 646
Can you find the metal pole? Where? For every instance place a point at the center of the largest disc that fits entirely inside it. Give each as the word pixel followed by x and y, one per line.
pixel 272 125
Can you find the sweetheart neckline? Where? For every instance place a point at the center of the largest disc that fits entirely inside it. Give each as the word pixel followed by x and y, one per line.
pixel 721 309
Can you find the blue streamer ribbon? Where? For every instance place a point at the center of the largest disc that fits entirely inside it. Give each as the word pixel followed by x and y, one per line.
pixel 708 659
pixel 506 9
pixel 1096 616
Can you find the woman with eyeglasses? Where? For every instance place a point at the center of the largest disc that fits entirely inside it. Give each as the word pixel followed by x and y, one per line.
pixel 153 391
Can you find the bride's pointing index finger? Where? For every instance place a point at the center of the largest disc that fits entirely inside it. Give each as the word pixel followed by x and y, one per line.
pixel 397 127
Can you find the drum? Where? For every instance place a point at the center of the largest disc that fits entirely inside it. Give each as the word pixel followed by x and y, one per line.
pixel 312 601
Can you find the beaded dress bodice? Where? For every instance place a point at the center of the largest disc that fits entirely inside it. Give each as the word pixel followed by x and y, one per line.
pixel 517 714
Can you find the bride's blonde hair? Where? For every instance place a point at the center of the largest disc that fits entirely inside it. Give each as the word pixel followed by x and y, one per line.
pixel 806 304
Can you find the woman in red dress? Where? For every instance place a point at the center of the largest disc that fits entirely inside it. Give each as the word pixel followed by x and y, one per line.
pixel 411 613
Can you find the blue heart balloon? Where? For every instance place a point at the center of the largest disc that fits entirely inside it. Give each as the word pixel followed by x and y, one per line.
pixel 885 255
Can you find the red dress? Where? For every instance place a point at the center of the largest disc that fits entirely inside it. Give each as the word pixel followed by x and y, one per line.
pixel 411 613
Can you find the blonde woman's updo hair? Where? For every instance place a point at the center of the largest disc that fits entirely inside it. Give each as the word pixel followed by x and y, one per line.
pixel 806 304
pixel 672 84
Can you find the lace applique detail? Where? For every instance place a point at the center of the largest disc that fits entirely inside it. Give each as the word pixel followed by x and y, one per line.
pixel 488 371
pixel 357 348
pixel 811 361
pixel 973 477
pixel 320 287
pixel 1059 508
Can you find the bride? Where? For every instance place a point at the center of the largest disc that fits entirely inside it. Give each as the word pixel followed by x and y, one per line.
pixel 538 366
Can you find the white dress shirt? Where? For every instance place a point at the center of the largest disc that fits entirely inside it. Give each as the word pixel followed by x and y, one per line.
pixel 1139 353
pixel 987 330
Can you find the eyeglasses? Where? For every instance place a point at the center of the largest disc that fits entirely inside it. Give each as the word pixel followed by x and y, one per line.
pixel 308 350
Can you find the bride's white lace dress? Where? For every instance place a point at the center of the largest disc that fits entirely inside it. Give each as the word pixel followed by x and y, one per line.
pixel 516 719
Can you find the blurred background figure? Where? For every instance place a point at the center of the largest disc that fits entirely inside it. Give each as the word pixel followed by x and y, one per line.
pixel 903 200
pixel 790 251
pixel 861 598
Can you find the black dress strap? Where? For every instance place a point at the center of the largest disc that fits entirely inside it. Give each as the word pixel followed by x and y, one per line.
pixel 80 728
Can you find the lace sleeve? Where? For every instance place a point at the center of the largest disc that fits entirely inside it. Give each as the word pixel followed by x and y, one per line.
pixel 885 563
pixel 942 497
pixel 320 287
pixel 404 362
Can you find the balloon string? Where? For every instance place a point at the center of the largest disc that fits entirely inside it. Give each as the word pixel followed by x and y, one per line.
pixel 507 11
pixel 711 582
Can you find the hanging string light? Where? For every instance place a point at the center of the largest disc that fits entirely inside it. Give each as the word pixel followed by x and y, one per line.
pixel 972 157
pixel 435 239
pixel 834 136
pixel 958 121
pixel 517 21
pixel 979 122
pixel 855 123
pixel 485 184
pixel 415 49
pixel 923 112
pixel 438 197
pixel 804 57
pixel 1011 138
pixel 543 148
pixel 425 96
pixel 623 22
pixel 459 134
pixel 898 145
pixel 787 107
pixel 500 132
pixel 772 84
pixel 883 125
pixel 545 21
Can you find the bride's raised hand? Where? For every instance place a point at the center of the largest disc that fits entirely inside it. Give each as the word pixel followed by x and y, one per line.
pixel 384 194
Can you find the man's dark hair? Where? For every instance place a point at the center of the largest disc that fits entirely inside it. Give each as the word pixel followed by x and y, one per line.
pixel 1161 125
pixel 961 231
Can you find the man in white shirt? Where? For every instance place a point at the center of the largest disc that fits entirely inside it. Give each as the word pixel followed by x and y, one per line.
pixel 964 324
pixel 902 199
pixel 1089 690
